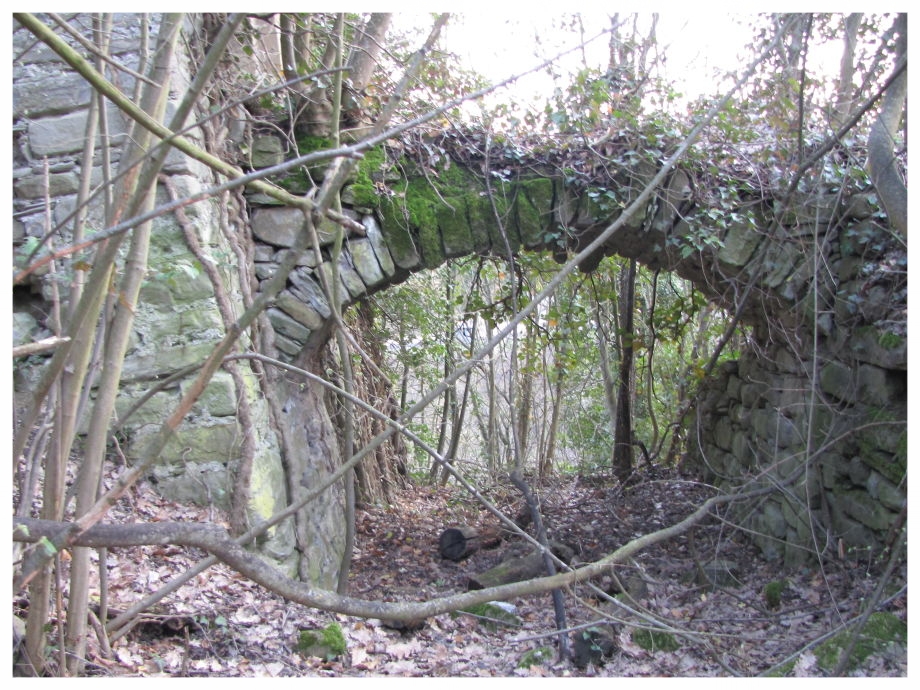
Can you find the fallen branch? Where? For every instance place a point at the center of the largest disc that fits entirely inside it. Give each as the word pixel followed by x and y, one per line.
pixel 44 345
pixel 217 541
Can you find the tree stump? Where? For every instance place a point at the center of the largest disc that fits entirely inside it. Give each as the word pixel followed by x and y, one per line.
pixel 456 543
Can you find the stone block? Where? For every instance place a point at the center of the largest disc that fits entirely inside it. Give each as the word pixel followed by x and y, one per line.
pixel 159 361
pixel 887 493
pixel 858 471
pixel 218 399
pixel 286 325
pixel 280 226
pixel 776 429
pixel 152 413
pixel 722 433
pixel 56 184
pixel 195 483
pixel 365 261
pixel 24 328
pixel 774 522
pixel 739 245
pixel 299 310
pixel 305 288
pixel 852 532
pixel 287 346
pixel 880 387
pixel 837 380
pixel 63 134
pixel 267 151
pixel 860 506
pixel 49 94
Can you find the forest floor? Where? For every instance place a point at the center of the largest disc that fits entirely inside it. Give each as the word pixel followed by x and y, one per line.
pixel 220 624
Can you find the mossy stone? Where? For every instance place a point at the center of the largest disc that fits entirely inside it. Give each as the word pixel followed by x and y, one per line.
pixel 327 643
pixel 535 657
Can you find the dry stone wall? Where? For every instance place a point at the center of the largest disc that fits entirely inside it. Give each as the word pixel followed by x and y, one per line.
pixel 177 323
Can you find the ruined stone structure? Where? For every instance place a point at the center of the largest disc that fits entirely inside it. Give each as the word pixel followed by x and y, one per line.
pixel 822 385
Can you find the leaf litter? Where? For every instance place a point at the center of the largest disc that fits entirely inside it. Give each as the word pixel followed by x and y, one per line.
pixel 221 624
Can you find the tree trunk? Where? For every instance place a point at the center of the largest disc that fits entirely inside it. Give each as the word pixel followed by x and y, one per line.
pixel 623 435
pixel 883 165
pixel 456 543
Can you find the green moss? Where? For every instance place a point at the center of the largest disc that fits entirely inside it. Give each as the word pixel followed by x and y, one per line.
pixel 308 143
pixel 655 640
pixel 534 206
pixel 396 231
pixel 364 190
pixel 327 643
pixel 491 616
pixel 881 631
pixel 535 657
pixel 773 592
pixel 455 228
pixel 890 341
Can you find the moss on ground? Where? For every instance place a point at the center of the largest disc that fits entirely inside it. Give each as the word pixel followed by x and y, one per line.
pixel 881 631
pixel 655 640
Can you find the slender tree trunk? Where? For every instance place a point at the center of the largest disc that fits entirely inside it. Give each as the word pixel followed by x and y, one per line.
pixel 844 105
pixel 623 436
pixel 116 343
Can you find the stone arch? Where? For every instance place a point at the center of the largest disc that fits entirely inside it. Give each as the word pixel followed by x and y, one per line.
pixel 810 377
pixel 852 357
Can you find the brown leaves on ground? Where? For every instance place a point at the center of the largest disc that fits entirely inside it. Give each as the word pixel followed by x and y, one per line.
pixel 220 624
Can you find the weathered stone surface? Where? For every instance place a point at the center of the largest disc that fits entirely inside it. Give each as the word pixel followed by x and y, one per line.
pixel 152 413
pixel 838 380
pixel 887 493
pixel 365 260
pixel 308 291
pixel 739 245
pixel 56 184
pixel 24 328
pixel 299 310
pixel 285 324
pixel 879 386
pixel 159 361
pixel 867 344
pixel 277 226
pixel 379 245
pixel 267 151
pixel 54 136
pixel 218 399
pixel 863 508
pixel 49 94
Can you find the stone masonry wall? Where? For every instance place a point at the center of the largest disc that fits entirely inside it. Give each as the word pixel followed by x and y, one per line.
pixel 177 322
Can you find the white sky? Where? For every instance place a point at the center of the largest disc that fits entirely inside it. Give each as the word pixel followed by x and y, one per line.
pixel 500 47
pixel 499 42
